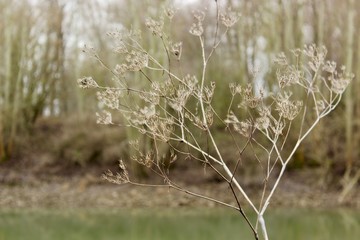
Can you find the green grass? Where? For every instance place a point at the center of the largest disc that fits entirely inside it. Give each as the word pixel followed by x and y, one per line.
pixel 179 224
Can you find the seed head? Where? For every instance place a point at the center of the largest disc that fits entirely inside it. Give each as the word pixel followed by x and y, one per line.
pixel 87 82
pixel 229 18
pixel 104 118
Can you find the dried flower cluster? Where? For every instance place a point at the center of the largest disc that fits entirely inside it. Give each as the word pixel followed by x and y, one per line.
pixel 286 108
pixel 229 18
pixel 87 82
pixel 156 27
pixel 176 49
pixel 197 28
pixel 104 118
pixel 178 109
pixel 118 178
pixel 170 12
pixel 110 98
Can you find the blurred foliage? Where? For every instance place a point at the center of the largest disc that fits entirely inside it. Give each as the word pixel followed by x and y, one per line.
pixel 40 52
pixel 75 142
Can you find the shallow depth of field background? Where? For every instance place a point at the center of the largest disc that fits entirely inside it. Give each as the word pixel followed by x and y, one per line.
pixel 52 153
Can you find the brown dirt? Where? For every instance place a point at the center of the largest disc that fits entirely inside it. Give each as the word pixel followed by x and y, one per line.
pixel 60 166
pixel 23 186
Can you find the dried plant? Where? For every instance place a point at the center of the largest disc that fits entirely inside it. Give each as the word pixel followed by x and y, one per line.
pixel 178 109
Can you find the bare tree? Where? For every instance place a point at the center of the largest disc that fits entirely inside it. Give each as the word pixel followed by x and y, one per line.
pixel 33 68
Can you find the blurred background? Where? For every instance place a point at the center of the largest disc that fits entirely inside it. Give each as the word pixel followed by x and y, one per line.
pixel 48 131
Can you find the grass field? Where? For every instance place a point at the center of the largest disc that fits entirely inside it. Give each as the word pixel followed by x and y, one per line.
pixel 178 224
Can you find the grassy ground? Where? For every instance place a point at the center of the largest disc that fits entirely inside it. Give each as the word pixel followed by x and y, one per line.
pixel 176 224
